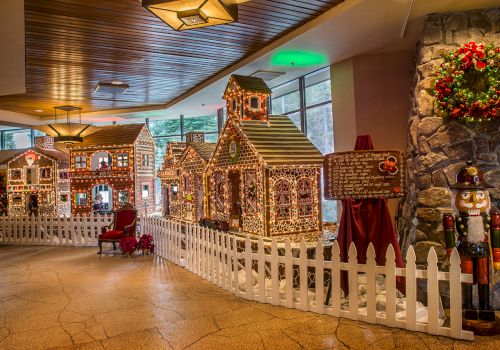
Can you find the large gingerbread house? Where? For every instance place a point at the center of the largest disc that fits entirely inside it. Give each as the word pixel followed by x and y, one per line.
pixel 38 180
pixel 264 176
pixel 116 164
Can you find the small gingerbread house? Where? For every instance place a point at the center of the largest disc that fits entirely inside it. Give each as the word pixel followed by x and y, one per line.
pixel 113 167
pixel 264 176
pixel 168 176
pixel 190 199
pixel 38 180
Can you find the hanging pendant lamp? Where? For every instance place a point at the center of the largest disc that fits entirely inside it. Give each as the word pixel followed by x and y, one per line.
pixel 70 131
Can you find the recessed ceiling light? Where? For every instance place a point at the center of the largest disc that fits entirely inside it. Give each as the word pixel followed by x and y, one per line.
pixel 267 75
pixel 39 110
pixel 111 87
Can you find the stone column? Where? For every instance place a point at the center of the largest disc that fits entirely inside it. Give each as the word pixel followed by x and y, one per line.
pixel 437 148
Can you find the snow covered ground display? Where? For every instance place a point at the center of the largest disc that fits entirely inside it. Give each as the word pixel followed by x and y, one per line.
pixel 421 309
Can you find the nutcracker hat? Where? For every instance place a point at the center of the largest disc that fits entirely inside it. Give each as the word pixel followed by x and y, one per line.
pixel 470 177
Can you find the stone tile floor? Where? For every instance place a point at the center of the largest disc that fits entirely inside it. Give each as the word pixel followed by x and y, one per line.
pixel 71 298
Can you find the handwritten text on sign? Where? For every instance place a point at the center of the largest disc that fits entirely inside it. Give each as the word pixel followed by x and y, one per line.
pixel 364 174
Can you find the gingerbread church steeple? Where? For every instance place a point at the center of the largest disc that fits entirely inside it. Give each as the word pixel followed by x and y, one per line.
pixel 247 98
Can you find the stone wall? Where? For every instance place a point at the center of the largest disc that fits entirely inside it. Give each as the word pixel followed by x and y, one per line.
pixel 438 148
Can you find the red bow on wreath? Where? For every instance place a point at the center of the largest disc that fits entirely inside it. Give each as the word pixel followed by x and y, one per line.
pixel 473 55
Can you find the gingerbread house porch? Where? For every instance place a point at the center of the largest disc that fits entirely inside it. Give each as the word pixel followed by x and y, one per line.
pixel 264 177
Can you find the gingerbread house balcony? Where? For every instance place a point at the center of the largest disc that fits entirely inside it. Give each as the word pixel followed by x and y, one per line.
pixel 101 174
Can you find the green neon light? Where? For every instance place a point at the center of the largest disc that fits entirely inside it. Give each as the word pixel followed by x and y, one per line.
pixel 298 58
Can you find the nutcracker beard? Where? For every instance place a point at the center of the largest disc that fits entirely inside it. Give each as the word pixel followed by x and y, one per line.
pixel 475 229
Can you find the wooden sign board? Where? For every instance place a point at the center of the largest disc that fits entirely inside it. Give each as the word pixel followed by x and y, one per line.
pixel 364 174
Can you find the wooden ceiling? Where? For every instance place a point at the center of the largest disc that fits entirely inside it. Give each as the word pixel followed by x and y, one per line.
pixel 71 45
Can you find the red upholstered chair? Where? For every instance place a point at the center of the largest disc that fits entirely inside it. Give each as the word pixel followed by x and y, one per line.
pixel 123 225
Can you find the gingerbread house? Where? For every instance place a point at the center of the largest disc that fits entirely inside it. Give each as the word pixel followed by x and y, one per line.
pixel 264 176
pixel 112 167
pixel 38 180
pixel 189 203
pixel 168 176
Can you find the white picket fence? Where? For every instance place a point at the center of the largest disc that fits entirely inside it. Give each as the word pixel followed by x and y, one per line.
pixel 224 258
pixel 78 230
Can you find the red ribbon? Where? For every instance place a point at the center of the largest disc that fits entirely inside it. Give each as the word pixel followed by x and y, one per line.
pixel 473 55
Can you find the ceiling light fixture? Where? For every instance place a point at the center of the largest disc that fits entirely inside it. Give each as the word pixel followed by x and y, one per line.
pixel 111 87
pixel 67 132
pixel 189 14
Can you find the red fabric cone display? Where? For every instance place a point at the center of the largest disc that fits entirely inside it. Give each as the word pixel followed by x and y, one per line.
pixel 366 221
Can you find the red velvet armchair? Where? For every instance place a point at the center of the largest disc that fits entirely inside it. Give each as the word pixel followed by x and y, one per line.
pixel 123 225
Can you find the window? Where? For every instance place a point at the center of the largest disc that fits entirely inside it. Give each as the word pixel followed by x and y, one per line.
pixel 123 197
pixel 305 197
pixel 104 163
pixel 286 98
pixel 255 103
pixel 205 124
pixel 80 162
pixel 122 159
pixel 307 101
pixel 81 198
pixel 14 139
pixel 45 173
pixel 15 174
pixel 145 191
pixel 282 200
pixel 146 160
pixel 320 127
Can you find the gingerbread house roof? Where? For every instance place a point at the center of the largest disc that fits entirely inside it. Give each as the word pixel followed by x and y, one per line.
pixel 61 157
pixel 251 84
pixel 279 142
pixel 119 135
pixel 204 149
pixel 9 154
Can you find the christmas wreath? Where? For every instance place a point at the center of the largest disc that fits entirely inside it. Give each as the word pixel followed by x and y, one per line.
pixel 468 83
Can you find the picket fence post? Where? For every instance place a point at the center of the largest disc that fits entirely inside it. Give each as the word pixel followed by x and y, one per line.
pixel 288 274
pixel 353 282
pixel 411 290
pixel 432 292
pixel 455 295
pixel 248 268
pixel 371 291
pixel 261 261
pixel 319 277
pixel 304 302
pixel 335 280
pixel 390 286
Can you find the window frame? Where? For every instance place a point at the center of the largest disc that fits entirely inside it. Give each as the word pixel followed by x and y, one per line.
pixel 124 161
pixel 79 160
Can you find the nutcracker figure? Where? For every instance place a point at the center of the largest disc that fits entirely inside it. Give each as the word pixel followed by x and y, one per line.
pixel 478 243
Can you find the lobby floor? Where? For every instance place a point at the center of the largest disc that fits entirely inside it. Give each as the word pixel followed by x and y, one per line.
pixel 71 298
